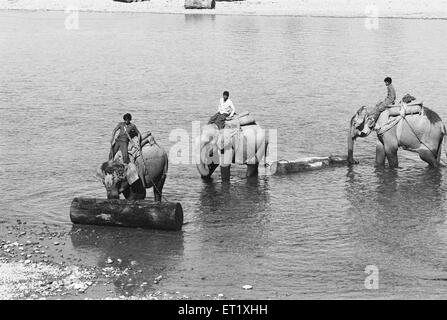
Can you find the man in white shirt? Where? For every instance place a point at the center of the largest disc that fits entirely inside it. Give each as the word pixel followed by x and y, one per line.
pixel 226 109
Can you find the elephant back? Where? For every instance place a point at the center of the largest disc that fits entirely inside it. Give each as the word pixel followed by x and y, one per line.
pixel 153 164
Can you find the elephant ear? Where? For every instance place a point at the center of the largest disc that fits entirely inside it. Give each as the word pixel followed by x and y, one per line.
pixel 100 174
pixel 131 173
pixel 360 117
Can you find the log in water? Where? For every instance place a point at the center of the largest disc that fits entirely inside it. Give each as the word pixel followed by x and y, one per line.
pixel 141 214
pixel 304 164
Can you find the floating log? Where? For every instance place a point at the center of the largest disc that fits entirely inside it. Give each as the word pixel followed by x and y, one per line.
pixel 305 164
pixel 200 4
pixel 140 214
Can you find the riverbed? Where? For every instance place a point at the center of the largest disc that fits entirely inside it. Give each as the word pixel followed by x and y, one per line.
pixel 307 235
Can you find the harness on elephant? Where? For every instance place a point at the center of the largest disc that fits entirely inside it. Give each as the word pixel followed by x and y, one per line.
pixel 402 116
pixel 139 153
pixel 395 120
pixel 223 141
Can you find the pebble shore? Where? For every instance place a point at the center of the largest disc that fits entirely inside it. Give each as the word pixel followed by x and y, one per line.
pixel 37 263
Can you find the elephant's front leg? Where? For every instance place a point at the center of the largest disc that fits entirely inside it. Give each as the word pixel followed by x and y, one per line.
pixel 225 160
pixel 391 147
pixel 225 172
pixel 380 154
pixel 252 170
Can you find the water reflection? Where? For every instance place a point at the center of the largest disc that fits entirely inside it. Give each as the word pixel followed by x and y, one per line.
pixel 140 255
pixel 199 18
pixel 243 198
pixel 396 214
pixel 233 216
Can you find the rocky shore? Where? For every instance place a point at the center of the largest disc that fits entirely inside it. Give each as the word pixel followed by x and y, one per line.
pixel 433 9
pixel 37 262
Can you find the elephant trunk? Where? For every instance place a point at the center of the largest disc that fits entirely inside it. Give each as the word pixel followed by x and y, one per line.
pixel 113 194
pixel 201 157
pixel 351 139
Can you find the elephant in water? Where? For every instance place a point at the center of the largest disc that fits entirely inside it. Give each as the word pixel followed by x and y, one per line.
pixel 114 174
pixel 420 132
pixel 240 145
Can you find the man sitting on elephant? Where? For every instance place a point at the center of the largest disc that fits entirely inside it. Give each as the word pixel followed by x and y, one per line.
pixel 123 139
pixel 389 100
pixel 225 110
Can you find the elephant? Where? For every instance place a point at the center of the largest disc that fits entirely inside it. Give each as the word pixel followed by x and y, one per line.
pixel 421 132
pixel 114 174
pixel 241 145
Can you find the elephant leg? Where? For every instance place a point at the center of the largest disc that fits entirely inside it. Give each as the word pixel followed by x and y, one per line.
pixel 391 146
pixel 137 191
pixel 380 154
pixel 428 156
pixel 211 167
pixel 158 188
pixel 252 170
pixel 225 173
pixel 391 155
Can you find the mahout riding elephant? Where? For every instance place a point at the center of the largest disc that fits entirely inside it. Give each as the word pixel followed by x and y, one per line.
pixel 239 145
pixel 153 166
pixel 419 132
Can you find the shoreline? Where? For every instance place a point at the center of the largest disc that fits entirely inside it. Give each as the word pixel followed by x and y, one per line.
pixel 234 14
pixel 383 9
pixel 38 262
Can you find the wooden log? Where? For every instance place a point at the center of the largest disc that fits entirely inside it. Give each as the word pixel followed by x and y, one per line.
pixel 305 164
pixel 141 214
pixel 200 4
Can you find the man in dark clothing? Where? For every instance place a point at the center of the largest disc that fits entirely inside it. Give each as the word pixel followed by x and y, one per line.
pixel 122 141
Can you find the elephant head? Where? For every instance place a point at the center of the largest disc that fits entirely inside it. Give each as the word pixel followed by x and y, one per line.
pixel 360 126
pixel 113 175
pixel 209 145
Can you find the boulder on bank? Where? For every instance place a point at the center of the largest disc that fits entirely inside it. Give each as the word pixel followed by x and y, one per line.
pixel 200 4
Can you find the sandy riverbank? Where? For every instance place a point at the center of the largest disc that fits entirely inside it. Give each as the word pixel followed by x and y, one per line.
pixel 332 8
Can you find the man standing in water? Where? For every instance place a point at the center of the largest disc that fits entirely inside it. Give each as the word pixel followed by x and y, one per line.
pixel 226 109
pixel 122 141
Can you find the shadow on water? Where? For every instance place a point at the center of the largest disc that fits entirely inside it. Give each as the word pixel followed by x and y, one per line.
pixel 139 255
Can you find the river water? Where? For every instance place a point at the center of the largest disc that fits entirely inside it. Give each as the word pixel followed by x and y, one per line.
pixel 308 235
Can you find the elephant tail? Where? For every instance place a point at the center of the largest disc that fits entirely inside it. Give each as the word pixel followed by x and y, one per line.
pixel 444 131
pixel 166 166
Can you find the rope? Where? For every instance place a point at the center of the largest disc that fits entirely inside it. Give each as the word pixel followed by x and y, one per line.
pixel 139 149
pixel 150 179
pixel 402 115
pixel 434 154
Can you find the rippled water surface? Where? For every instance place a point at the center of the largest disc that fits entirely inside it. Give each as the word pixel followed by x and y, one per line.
pixel 307 235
